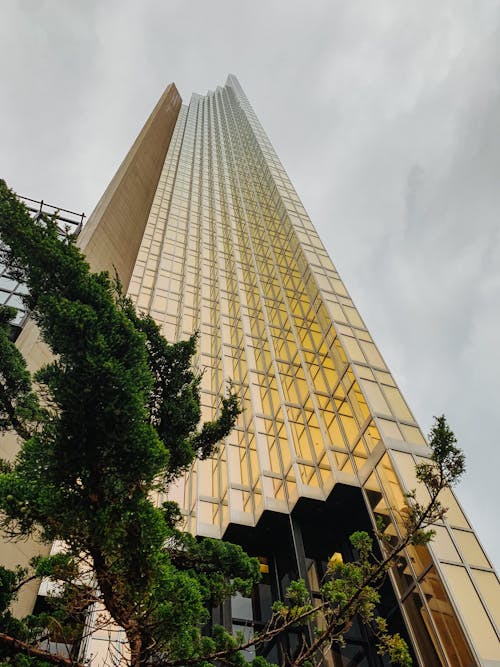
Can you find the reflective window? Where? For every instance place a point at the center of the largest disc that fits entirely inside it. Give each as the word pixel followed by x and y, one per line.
pixel 470 548
pixel 473 612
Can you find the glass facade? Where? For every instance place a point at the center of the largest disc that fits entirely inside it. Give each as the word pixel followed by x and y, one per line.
pixel 229 251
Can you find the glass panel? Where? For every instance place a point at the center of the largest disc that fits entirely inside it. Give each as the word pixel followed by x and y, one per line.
pixel 389 429
pixel 398 404
pixel 403 575
pixel 312 575
pixel 241 607
pixel 423 631
pixel 489 588
pixel 470 548
pixel 15 301
pixel 454 514
pixel 248 634
pixel 18 317
pixel 353 317
pixel 372 436
pixel 375 397
pixel 473 613
pixel 372 354
pixel 364 372
pixel 7 283
pixel 443 546
pixel 384 378
pixel 420 558
pixel 352 348
pixel 405 465
pixel 391 487
pixel 446 622
pixel 412 434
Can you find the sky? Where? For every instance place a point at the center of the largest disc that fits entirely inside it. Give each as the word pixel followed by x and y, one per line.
pixel 386 116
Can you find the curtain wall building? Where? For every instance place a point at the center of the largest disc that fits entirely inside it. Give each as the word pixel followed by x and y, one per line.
pixel 206 230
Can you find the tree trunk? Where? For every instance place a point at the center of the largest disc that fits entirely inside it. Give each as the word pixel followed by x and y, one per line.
pixel 135 646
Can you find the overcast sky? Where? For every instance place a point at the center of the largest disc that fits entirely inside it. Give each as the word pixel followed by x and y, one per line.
pixel 387 117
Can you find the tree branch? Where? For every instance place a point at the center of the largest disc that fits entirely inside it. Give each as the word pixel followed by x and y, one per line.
pixel 32 651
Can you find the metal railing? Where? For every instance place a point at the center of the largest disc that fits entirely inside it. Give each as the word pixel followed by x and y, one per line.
pixel 63 215
pixel 11 292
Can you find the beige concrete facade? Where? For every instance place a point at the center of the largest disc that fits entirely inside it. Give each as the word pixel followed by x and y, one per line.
pixel 110 241
pixel 113 233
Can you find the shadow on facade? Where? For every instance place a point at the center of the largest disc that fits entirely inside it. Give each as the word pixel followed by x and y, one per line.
pixel 299 545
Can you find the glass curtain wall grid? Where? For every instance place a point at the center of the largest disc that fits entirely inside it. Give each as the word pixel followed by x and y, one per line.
pixel 229 251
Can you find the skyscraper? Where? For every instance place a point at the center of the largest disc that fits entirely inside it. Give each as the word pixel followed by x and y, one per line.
pixel 208 234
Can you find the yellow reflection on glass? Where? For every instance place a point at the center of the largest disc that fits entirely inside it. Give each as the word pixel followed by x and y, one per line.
pixel 444 617
pixel 454 514
pixel 392 488
pixel 412 434
pixel 397 403
pixel 353 349
pixel 443 546
pixel 489 586
pixel 333 428
pixel 375 397
pixel 372 436
pixel 472 612
pixel 372 354
pixel 470 548
pixel 389 429
pixel 405 465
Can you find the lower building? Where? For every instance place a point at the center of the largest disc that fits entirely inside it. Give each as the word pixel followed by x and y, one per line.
pixel 11 290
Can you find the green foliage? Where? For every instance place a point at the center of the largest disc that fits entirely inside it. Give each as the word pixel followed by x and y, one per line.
pixel 120 418
pixel 299 602
pixel 26 630
pixel 448 461
pixel 62 566
pixel 444 469
pixel 20 660
pixel 394 646
pixel 18 403
pixel 9 580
